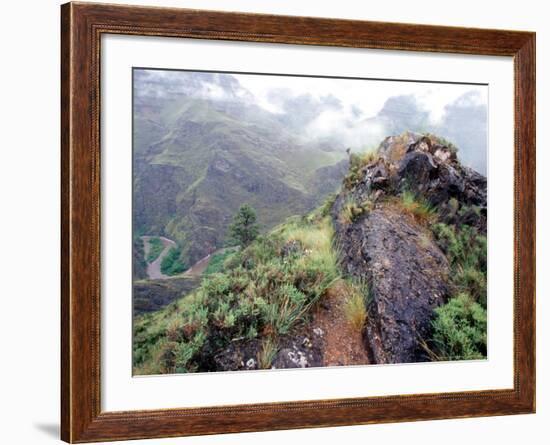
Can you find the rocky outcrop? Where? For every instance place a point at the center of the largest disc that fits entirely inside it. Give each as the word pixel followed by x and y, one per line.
pixel 425 165
pixel 407 275
pixel 394 251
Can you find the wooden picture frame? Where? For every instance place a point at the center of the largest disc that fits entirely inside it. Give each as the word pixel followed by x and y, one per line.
pixel 82 25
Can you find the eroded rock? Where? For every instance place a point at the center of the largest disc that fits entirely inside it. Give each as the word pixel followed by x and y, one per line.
pixel 407 275
pixel 406 271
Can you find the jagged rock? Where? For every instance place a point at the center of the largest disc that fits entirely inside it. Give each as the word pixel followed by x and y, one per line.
pixel 251 364
pixel 408 276
pixel 422 165
pixel 318 332
pixel 406 270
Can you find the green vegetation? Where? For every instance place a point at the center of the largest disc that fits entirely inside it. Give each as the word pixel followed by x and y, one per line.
pixel 356 163
pixel 216 263
pixel 460 330
pixel 265 291
pixel 155 249
pixel 171 263
pixel 417 206
pixel 460 326
pixel 244 228
pixel 466 250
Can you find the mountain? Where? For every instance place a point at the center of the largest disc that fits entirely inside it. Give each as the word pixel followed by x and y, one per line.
pixel 197 160
pixel 203 146
pixel 392 269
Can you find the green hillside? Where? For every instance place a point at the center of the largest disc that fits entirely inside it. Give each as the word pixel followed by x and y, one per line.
pixel 195 164
pixel 262 294
pixel 332 287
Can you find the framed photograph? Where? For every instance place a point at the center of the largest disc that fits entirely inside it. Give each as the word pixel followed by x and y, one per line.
pixel 274 222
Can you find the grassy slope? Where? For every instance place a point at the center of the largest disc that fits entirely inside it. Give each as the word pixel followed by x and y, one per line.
pixel 264 292
pixel 218 163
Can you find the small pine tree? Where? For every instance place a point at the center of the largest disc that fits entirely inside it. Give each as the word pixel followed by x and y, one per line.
pixel 244 228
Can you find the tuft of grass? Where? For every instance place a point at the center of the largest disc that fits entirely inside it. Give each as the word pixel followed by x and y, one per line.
pixel 367 157
pixel 417 206
pixel 267 353
pixel 355 309
pixel 322 211
pixel 155 249
pixel 351 211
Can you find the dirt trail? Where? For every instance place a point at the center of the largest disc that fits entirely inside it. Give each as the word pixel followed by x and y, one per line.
pixel 153 269
pixel 343 345
pixel 199 267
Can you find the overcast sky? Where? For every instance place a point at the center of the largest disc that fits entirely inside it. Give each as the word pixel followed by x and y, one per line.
pixel 343 109
pixel 367 95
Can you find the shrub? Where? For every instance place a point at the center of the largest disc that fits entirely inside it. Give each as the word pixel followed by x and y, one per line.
pixel 267 291
pixel 466 250
pixel 244 228
pixel 171 263
pixel 460 329
pixel 473 281
pixel 186 351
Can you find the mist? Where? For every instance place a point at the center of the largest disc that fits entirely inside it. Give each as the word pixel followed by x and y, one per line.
pixel 355 114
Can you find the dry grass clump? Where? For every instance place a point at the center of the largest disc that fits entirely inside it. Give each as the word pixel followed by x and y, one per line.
pixel 267 353
pixel 351 211
pixel 355 307
pixel 417 207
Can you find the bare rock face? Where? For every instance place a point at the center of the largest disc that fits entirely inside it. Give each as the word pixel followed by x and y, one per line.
pixel 407 275
pixel 395 253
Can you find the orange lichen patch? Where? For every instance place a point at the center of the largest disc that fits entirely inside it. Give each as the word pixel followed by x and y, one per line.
pixel 399 145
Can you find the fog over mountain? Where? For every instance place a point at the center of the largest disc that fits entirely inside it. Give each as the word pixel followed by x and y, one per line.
pixel 204 143
pixel 352 113
pixel 295 222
